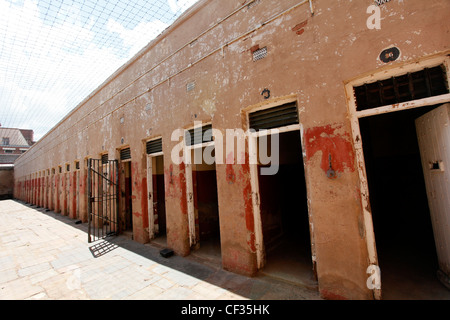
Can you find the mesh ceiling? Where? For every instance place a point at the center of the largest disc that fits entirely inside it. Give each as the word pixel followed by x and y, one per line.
pixel 54 53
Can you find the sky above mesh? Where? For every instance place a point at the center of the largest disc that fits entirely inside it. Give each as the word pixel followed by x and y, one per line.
pixel 54 53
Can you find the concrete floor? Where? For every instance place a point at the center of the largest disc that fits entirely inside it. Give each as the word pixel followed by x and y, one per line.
pixel 40 253
pixel 410 274
pixel 290 263
pixel 46 256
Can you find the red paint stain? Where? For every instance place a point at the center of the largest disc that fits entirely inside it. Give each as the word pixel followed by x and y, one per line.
pixel 176 186
pixel 144 202
pixel 231 175
pixel 74 199
pixel 168 176
pixel 331 296
pixel 299 27
pixel 182 188
pixel 248 204
pixel 326 140
pixel 232 261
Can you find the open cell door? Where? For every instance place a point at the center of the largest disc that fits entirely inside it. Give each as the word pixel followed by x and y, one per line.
pixel 102 199
pixel 433 131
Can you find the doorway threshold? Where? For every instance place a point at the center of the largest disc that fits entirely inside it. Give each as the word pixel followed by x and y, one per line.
pixel 287 263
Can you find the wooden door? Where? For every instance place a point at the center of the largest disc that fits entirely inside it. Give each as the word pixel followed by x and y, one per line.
pixel 433 132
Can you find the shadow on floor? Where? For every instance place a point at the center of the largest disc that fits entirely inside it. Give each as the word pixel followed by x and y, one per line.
pixel 203 264
pixel 289 262
pixel 287 277
pixel 409 272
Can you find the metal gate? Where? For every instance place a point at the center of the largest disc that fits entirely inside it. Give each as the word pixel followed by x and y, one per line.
pixel 103 199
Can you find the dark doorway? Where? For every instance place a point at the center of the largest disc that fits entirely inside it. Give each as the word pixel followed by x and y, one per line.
pixel 127 203
pixel 206 209
pixel 400 212
pixel 159 199
pixel 284 215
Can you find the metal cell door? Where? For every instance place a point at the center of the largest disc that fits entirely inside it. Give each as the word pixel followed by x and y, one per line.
pixel 102 199
pixel 433 131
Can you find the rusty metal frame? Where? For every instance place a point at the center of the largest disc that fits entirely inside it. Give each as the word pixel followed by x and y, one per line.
pixel 102 199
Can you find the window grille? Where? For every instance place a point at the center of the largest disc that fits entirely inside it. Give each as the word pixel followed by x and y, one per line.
pixel 275 117
pixel 125 154
pixel 199 135
pixel 154 146
pixel 426 83
pixel 260 54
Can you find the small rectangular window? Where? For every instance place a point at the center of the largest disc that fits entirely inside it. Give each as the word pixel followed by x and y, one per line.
pixel 154 146
pixel 190 86
pixel 104 158
pixel 259 54
pixel 425 83
pixel 276 117
pixel 5 141
pixel 125 154
pixel 199 135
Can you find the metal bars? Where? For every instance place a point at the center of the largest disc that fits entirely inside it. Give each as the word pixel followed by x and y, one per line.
pixel 125 154
pixel 276 117
pixel 103 199
pixel 199 135
pixel 429 82
pixel 154 146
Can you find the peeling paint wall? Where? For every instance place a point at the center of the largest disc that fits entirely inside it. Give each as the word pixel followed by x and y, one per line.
pixel 308 56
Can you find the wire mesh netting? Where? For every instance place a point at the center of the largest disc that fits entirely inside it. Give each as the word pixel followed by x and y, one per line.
pixel 54 53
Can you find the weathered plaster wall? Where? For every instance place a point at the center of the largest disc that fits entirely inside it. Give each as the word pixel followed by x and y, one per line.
pixel 6 183
pixel 309 57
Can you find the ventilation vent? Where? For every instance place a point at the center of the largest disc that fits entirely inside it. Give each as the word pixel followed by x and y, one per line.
pixel 125 154
pixel 190 86
pixel 199 135
pixel 422 84
pixel 259 54
pixel 154 146
pixel 105 158
pixel 252 4
pixel 276 117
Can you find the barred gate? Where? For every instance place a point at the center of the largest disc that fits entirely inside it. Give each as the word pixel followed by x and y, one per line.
pixel 103 199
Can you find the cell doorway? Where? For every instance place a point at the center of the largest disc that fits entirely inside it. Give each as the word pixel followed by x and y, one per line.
pixel 284 214
pixel 156 200
pixel 126 193
pixel 400 208
pixel 204 206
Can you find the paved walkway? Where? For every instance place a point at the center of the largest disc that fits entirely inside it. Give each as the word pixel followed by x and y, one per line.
pixel 44 255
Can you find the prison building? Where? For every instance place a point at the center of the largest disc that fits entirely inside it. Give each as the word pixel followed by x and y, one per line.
pixel 354 95
pixel 13 143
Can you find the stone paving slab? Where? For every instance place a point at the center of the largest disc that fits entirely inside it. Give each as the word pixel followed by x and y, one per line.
pixel 46 256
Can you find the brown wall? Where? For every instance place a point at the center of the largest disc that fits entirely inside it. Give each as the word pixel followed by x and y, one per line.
pixel 6 183
pixel 310 58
